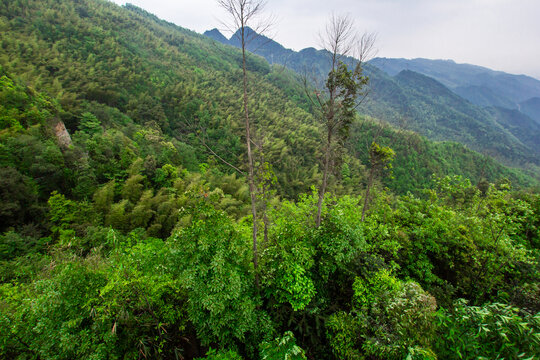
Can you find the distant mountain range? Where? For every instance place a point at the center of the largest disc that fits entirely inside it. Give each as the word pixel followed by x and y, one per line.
pixel 152 86
pixel 479 85
pixel 490 111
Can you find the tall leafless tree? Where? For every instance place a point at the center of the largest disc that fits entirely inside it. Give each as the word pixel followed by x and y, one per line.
pixel 344 87
pixel 244 14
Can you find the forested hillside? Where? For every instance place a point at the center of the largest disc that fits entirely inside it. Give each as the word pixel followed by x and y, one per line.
pixel 125 227
pixel 531 107
pixel 407 99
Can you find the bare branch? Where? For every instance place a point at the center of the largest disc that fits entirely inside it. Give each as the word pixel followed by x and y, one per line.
pixel 219 157
pixel 344 89
pixel 339 37
pixel 365 47
pixel 243 14
pixel 246 14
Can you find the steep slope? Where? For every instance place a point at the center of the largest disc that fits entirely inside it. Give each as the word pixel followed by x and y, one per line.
pixel 451 117
pixel 417 102
pixel 512 88
pixel 483 96
pixel 520 125
pixel 531 108
pixel 159 75
pixel 417 158
pixel 128 69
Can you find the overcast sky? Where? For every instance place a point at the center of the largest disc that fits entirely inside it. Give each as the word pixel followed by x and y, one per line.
pixel 499 34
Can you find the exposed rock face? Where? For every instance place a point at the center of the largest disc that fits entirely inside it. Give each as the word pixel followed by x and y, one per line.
pixel 62 135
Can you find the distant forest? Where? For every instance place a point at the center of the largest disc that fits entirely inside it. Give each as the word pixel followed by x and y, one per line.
pixel 127 217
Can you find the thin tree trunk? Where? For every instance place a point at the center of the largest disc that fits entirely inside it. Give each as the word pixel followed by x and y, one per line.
pixel 326 169
pixel 366 199
pixel 250 161
pixel 266 224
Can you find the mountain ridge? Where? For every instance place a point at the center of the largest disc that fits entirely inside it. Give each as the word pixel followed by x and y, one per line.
pixel 174 81
pixel 514 88
pixel 437 112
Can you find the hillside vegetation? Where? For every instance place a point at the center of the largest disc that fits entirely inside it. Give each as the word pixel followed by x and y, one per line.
pixel 439 99
pixel 125 227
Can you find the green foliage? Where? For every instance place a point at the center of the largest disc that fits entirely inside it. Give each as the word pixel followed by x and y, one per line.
pixel 283 348
pixel 133 241
pixel 340 239
pixel 457 241
pixel 52 318
pixel 90 124
pixel 344 86
pixel 122 307
pixel 214 354
pixel 288 260
pixel 367 291
pixel 143 299
pixel 343 332
pixel 69 220
pixel 381 157
pixel 213 263
pixel 18 198
pixel 297 288
pixel 22 257
pixel 490 331
pixel 390 319
pixel 417 159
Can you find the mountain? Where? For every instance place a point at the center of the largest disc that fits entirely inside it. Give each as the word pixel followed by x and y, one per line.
pixel 519 124
pixel 428 107
pixel 126 223
pixel 132 70
pixel 480 85
pixel 483 96
pixel 531 107
pixel 419 102
pixel 216 35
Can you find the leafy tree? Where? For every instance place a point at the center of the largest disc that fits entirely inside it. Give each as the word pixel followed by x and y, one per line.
pixel 52 318
pixel 282 348
pixel 90 124
pixel 337 102
pixel 213 265
pixel 380 159
pixel 390 319
pixel 490 331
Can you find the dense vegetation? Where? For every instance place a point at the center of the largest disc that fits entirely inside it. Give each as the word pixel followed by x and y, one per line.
pixel 439 99
pixel 126 237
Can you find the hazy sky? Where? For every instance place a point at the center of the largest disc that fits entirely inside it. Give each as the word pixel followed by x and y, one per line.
pixel 499 34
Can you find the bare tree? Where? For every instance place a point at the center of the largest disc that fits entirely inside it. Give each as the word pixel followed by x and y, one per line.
pixel 243 14
pixel 343 90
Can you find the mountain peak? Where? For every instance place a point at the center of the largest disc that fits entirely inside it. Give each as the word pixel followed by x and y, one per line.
pixel 216 35
pixel 259 43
